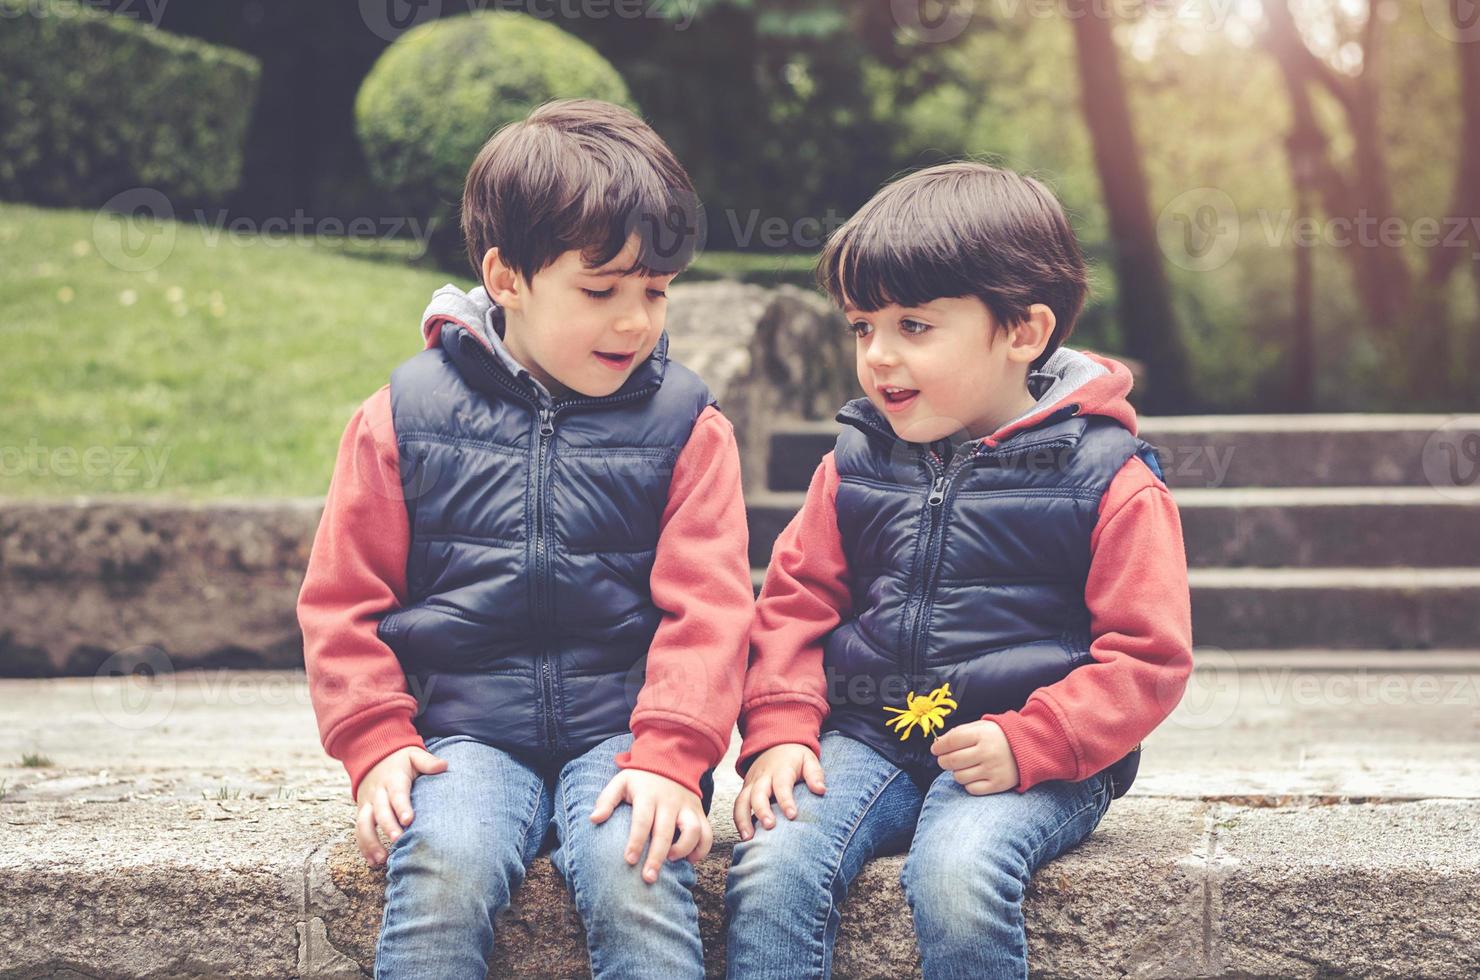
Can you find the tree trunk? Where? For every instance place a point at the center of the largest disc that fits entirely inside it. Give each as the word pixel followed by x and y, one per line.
pixel 1144 302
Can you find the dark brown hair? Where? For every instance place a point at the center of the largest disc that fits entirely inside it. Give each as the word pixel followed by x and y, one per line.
pixel 960 229
pixel 579 174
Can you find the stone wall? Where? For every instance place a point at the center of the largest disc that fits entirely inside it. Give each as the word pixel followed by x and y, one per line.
pixel 101 584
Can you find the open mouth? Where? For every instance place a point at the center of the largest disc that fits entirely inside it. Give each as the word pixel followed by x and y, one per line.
pixel 617 361
pixel 898 399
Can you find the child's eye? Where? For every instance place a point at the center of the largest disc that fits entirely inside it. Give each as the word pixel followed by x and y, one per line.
pixel 598 294
pixel 657 293
pixel 905 325
pixel 855 325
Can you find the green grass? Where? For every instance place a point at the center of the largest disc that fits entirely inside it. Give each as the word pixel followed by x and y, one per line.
pixel 228 368
pixel 222 365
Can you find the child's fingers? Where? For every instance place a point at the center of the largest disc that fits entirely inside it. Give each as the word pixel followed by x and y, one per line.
pixel 706 841
pixel 385 818
pixel 608 798
pixel 743 822
pixel 971 774
pixel 812 772
pixel 365 837
pixel 760 801
pixel 658 847
pixel 401 804
pixel 786 778
pixel 959 759
pixel 688 835
pixel 642 823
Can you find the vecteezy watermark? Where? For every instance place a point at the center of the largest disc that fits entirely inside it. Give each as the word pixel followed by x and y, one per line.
pixel 145 11
pixel 137 229
pixel 776 232
pixel 938 21
pixel 1451 457
pixel 300 228
pixel 113 466
pixel 389 19
pixel 670 236
pixel 134 688
pixel 1457 21
pixel 1201 229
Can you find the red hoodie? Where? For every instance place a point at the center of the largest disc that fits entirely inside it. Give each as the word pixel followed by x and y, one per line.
pixel 700 579
pixel 1137 594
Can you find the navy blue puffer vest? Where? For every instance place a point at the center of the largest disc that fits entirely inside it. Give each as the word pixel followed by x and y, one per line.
pixel 968 571
pixel 533 534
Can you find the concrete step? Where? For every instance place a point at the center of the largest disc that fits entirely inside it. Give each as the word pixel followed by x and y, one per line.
pixel 1211 451
pixel 1282 787
pixel 1272 527
pixel 1393 609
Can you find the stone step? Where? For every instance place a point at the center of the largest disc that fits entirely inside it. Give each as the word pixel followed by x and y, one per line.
pixel 1264 803
pixel 1211 451
pixel 1338 608
pixel 1167 888
pixel 1272 527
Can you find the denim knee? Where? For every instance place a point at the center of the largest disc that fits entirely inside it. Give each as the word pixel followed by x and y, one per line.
pixel 950 888
pixel 448 869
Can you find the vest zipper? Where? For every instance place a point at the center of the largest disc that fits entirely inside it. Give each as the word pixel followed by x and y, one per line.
pixel 541 563
pixel 546 431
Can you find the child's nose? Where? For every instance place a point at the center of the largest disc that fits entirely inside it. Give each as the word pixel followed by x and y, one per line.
pixel 879 354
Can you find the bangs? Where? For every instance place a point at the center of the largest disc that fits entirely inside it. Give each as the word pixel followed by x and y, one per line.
pixel 585 176
pixel 668 223
pixel 866 269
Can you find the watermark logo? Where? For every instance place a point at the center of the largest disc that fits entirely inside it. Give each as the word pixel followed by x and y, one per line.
pixel 134 688
pixel 135 230
pixel 1457 21
pixel 1451 457
pixel 389 19
pixel 1198 230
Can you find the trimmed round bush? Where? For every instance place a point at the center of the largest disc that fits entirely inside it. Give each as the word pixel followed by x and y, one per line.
pixel 92 104
pixel 435 96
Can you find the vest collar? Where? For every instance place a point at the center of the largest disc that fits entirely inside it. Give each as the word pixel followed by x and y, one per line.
pixel 481 368
pixel 1059 428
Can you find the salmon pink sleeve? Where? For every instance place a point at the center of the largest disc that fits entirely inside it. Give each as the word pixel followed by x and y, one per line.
pixel 700 580
pixel 1141 623
pixel 356 574
pixel 804 596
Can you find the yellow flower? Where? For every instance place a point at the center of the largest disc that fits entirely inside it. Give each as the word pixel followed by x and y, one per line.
pixel 927 712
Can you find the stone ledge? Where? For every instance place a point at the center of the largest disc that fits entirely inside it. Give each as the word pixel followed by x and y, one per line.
pixel 1163 888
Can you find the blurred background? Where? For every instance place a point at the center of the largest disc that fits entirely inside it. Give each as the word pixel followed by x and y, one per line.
pixel 220 223
pixel 210 207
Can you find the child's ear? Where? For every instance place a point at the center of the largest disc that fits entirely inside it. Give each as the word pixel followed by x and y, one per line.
pixel 501 282
pixel 1031 334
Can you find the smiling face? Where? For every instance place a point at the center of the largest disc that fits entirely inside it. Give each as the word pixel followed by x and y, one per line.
pixel 943 368
pixel 580 328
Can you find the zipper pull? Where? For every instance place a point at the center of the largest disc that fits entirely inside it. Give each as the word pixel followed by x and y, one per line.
pixel 938 492
pixel 547 422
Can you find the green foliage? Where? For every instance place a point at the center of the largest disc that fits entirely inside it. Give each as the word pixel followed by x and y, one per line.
pixel 231 368
pixel 437 94
pixel 92 104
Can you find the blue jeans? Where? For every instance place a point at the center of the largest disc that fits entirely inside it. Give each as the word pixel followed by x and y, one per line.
pixel 476 827
pixel 970 860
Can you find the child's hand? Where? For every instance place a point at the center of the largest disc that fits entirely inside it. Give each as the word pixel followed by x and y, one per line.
pixel 774 773
pixel 979 756
pixel 658 806
pixel 384 798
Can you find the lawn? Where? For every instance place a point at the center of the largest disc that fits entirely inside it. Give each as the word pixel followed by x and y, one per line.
pixel 167 358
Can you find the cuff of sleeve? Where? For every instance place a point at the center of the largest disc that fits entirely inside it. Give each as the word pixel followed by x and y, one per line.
pixel 680 754
pixel 1040 746
pixel 777 723
pixel 368 742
